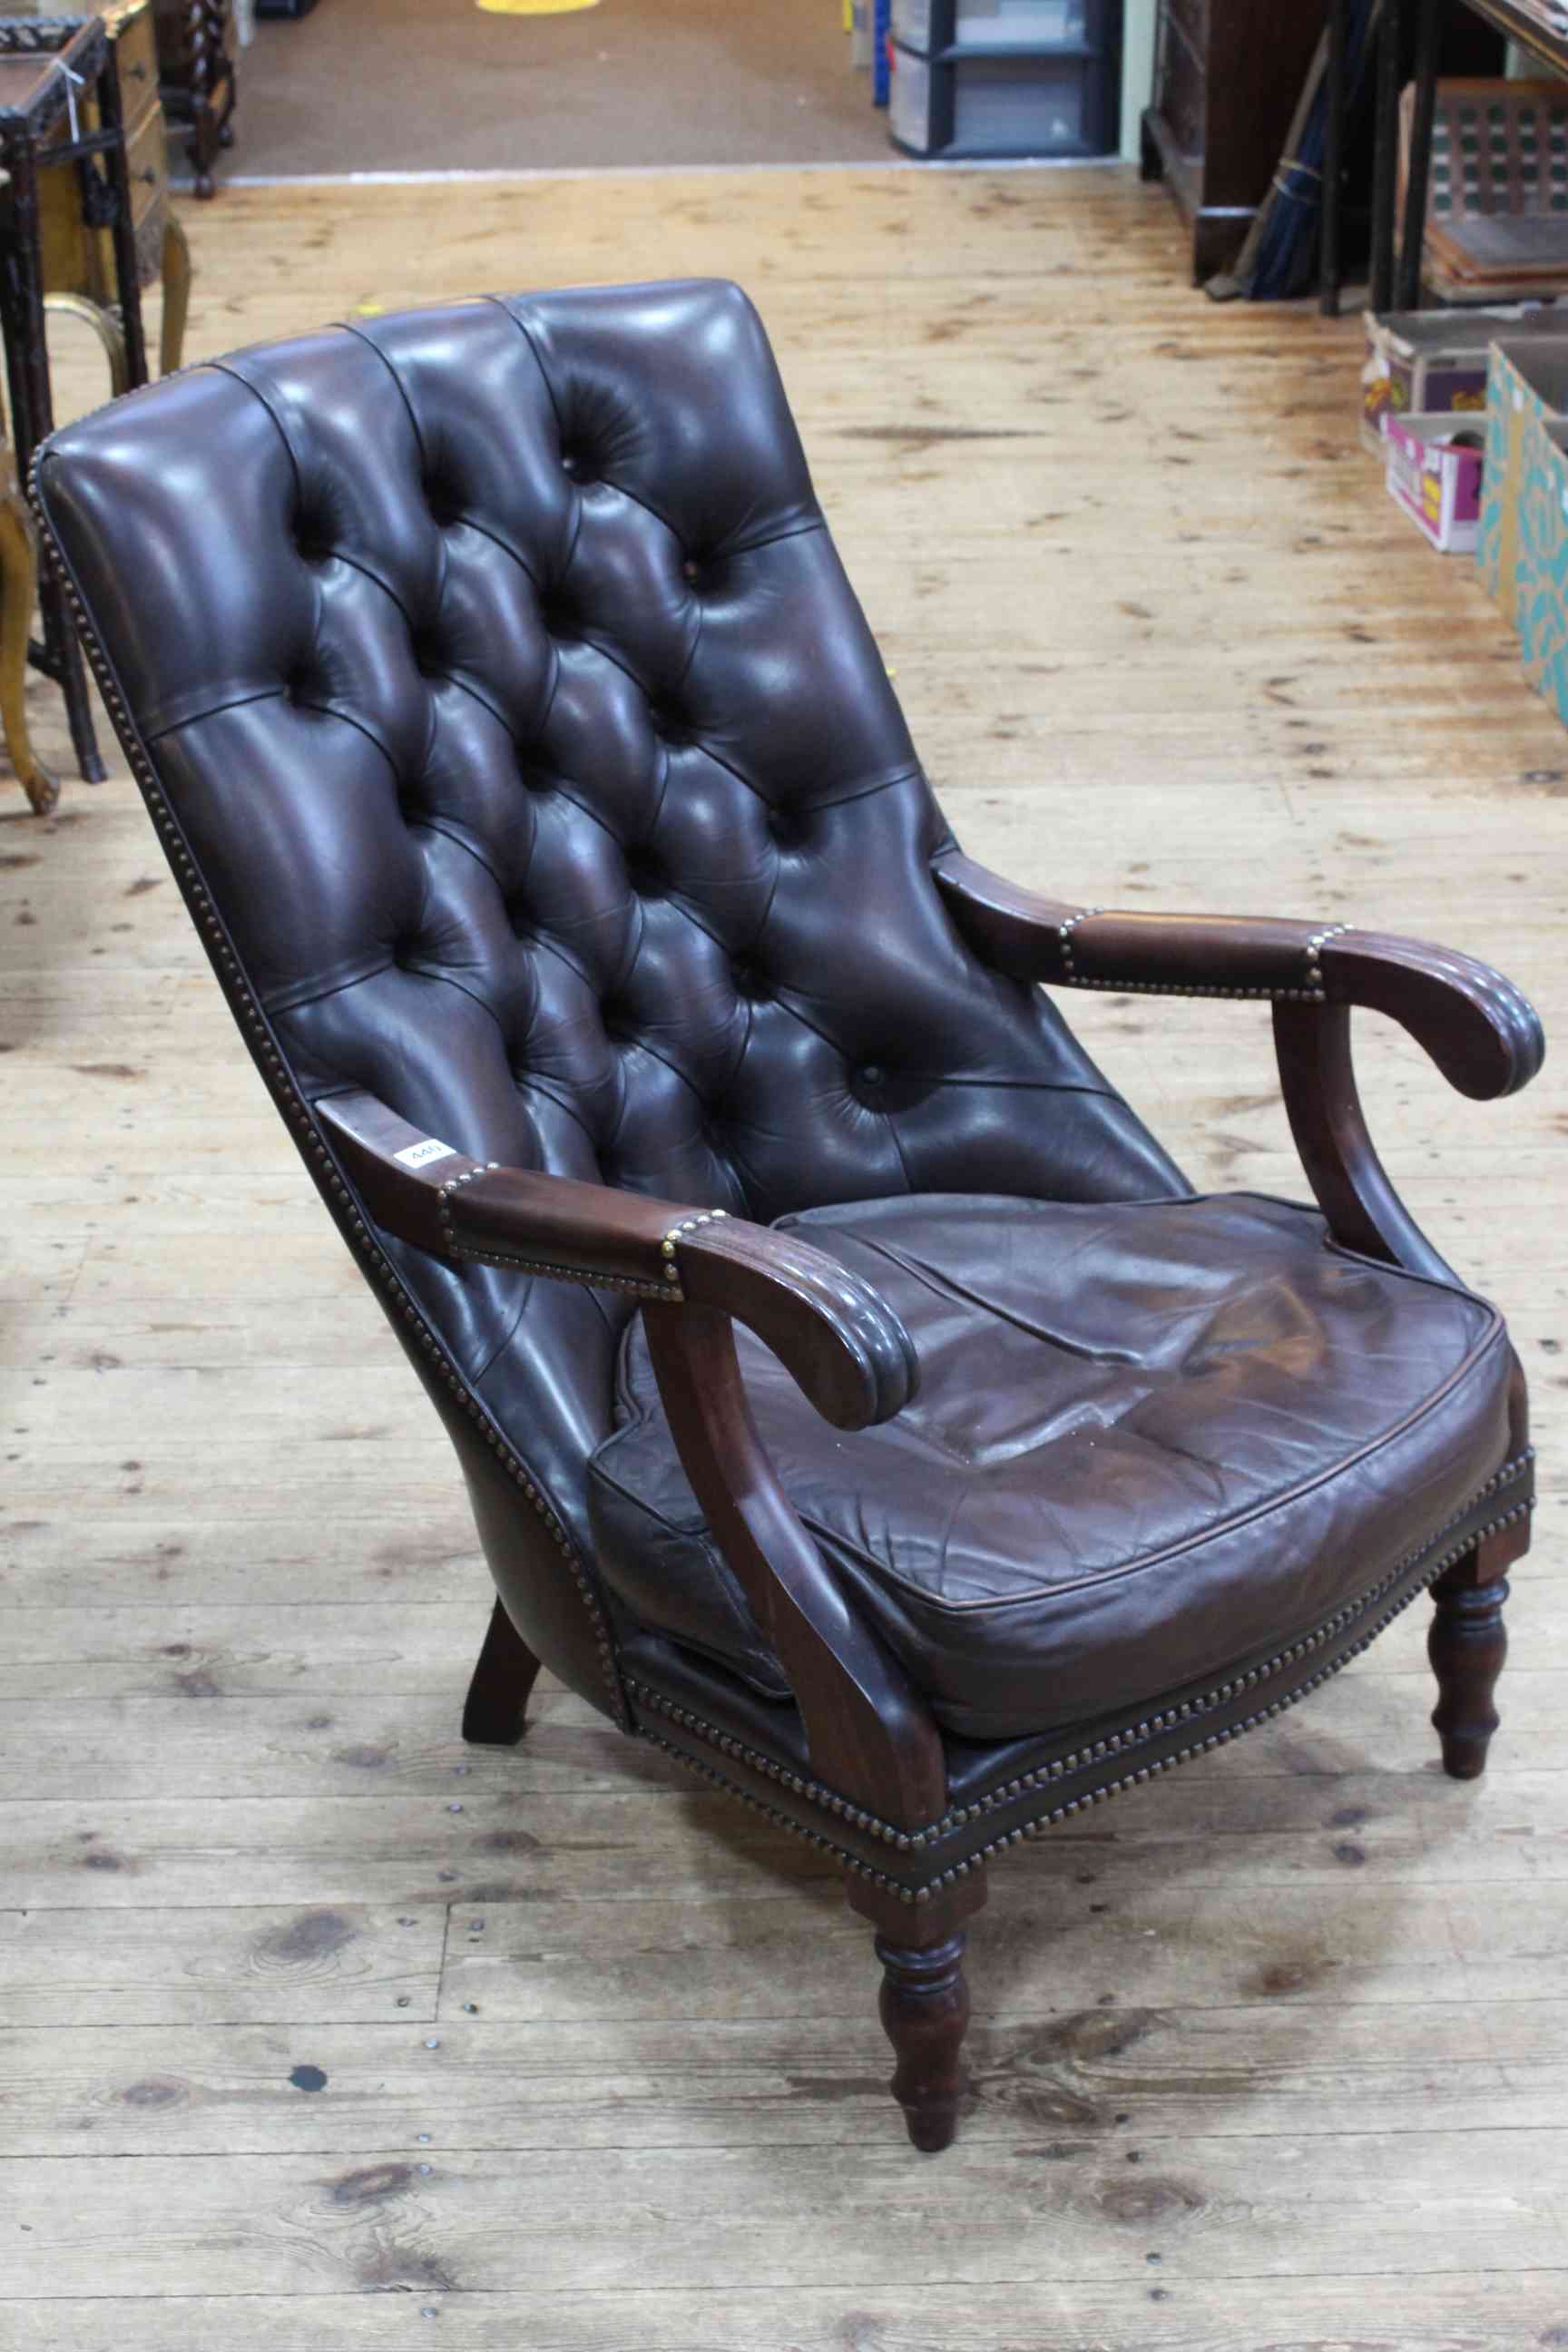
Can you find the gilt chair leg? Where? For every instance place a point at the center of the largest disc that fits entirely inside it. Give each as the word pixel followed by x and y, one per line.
pixel 495 1714
pixel 1467 1644
pixel 925 2008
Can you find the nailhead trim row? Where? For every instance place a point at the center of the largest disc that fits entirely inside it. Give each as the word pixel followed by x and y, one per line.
pixel 1312 994
pixel 850 1861
pixel 1084 915
pixel 588 1275
pixel 678 1233
pixel 581 1274
pixel 455 1184
pixel 1047 1820
pixel 1315 946
pixel 279 1081
pixel 1194 988
pixel 1114 1743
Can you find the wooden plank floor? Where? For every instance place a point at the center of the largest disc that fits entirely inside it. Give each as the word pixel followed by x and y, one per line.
pixel 319 2031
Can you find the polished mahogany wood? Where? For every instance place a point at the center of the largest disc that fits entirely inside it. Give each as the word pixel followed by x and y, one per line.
pixel 1483 1035
pixel 1349 1180
pixel 1468 1644
pixel 849 1352
pixel 495 1713
pixel 924 2008
pixel 869 1735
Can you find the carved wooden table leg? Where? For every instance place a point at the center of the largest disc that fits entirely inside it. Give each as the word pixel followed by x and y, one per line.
pixel 19 588
pixel 1467 1644
pixel 176 275
pixel 925 2008
pixel 495 1714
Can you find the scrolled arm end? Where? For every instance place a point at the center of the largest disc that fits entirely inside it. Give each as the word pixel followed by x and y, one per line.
pixel 1483 1033
pixel 846 1348
pixel 839 1338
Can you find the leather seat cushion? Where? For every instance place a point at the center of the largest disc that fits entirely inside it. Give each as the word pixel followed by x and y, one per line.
pixel 1150 1440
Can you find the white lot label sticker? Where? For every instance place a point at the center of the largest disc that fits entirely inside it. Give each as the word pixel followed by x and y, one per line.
pixel 420 1155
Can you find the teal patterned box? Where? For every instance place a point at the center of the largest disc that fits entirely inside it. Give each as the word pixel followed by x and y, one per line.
pixel 1541 561
pixel 1527 383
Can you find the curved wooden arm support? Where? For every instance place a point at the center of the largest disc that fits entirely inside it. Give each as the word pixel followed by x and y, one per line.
pixel 1482 1033
pixel 1317 1077
pixel 872 1738
pixel 848 1351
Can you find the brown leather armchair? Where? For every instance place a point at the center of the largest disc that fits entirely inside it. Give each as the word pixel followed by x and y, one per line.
pixel 532 776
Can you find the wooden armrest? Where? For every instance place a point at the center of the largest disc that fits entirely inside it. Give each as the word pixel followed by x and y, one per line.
pixel 867 1732
pixel 1482 1033
pixel 848 1351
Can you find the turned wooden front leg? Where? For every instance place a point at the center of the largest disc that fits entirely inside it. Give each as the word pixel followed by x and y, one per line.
pixel 1467 1644
pixel 924 2008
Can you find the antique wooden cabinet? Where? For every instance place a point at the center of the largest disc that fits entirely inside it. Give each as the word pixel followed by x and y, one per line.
pixel 1227 74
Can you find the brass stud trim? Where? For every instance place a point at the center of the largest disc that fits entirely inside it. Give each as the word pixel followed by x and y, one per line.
pixel 291 1104
pixel 1148 1728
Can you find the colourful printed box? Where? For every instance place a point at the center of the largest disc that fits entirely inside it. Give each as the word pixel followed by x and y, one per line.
pixel 1541 559
pixel 1428 361
pixel 1439 485
pixel 1525 381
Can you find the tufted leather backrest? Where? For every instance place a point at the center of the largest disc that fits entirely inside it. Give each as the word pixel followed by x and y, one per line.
pixel 508 695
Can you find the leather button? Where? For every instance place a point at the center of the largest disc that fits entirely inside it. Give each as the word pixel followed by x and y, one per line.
pixel 873 1075
pixel 751 983
pixel 579 465
pixel 428 658
pixel 645 875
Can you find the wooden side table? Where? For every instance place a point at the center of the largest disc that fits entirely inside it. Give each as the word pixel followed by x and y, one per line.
pixel 195 62
pixel 50 69
pixel 18 595
pixel 78 257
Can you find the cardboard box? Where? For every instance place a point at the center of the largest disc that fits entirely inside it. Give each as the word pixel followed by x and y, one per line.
pixel 1540 571
pixel 1439 485
pixel 1527 383
pixel 1428 362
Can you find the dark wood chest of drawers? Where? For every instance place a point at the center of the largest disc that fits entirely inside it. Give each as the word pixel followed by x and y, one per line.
pixel 1227 74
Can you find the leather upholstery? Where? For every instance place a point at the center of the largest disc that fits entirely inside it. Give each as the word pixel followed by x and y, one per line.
pixel 1150 1440
pixel 523 727
pixel 529 764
